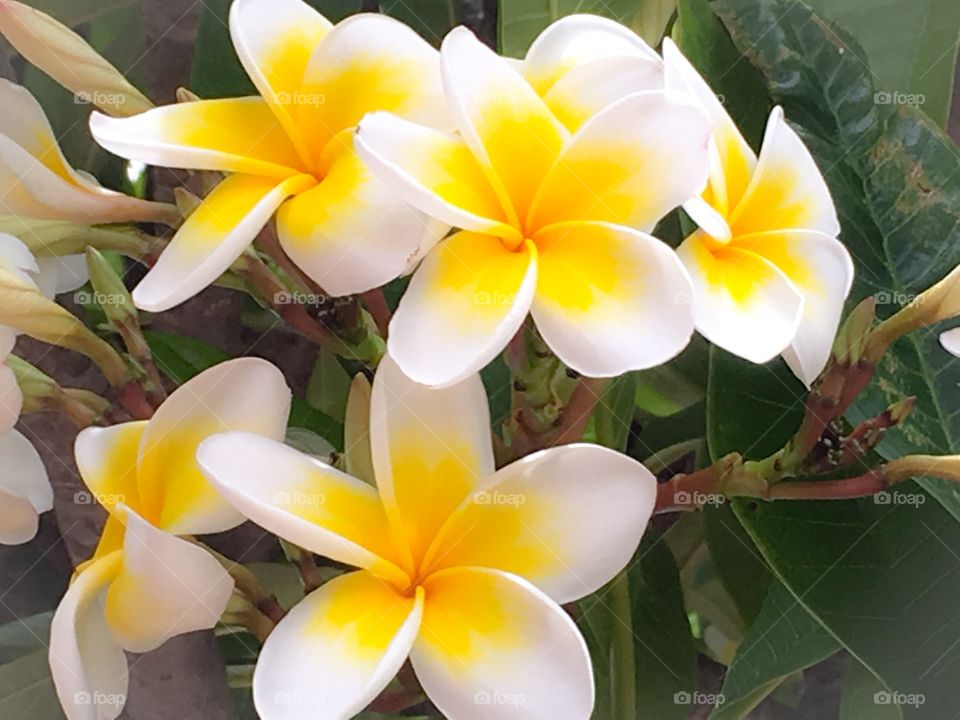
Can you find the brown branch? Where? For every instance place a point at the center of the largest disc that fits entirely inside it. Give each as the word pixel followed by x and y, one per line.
pixel 576 413
pixel 377 306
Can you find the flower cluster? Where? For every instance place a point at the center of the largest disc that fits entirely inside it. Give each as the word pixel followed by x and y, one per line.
pixel 506 188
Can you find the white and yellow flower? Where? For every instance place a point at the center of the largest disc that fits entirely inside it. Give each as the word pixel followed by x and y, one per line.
pixel 291 150
pixel 550 221
pixel 769 275
pixel 143 584
pixel 460 567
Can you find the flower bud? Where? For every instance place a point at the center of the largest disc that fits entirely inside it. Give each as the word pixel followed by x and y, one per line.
pixel 69 59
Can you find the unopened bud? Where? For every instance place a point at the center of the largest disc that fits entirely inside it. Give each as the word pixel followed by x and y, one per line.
pixel 358 460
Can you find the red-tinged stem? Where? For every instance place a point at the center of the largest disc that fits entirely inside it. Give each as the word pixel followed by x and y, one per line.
pixel 576 413
pixel 133 399
pixel 376 304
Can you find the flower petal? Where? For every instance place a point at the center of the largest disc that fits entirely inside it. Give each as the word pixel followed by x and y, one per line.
pixel 213 237
pixel 577 40
pixel 787 190
pixel 491 645
pixel 741 302
pixel 351 232
pixel 610 299
pixel 275 40
pixel 11 399
pixel 434 172
pixel 586 90
pixel 303 500
pixel 231 135
pixel 369 62
pixel 950 340
pixel 25 491
pixel 247 394
pixel 427 443
pixel 336 650
pixel 89 667
pixel 567 519
pixel 107 460
pixel 467 299
pixel 165 587
pixel 820 267
pixel 604 173
pixel 736 160
pixel 508 127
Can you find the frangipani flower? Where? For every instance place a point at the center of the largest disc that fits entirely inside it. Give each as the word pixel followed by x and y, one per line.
pixel 291 150
pixel 769 275
pixel 581 64
pixel 550 222
pixel 143 584
pixel 462 568
pixel 37 182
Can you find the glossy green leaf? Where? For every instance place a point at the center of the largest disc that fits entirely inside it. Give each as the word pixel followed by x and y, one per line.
pixel 910 46
pixel 783 639
pixel 738 562
pixel 865 698
pixel 180 357
pixel 26 688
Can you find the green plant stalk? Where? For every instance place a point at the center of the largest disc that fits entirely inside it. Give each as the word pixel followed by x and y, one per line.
pixel 624 679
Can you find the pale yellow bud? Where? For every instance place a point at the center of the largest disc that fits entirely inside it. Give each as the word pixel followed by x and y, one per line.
pixel 358 460
pixel 69 59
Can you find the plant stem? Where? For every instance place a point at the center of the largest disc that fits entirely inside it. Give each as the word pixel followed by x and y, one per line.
pixel 622 650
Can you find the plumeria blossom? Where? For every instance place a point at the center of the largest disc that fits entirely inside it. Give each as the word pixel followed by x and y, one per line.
pixel 143 584
pixel 769 275
pixel 290 151
pixel 461 567
pixel 25 491
pixel 550 221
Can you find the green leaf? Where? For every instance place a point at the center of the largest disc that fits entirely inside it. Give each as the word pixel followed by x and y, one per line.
pixel 704 40
pixel 302 415
pixel 20 637
pixel 783 639
pixel 751 409
pixel 737 561
pixel 895 178
pixel 522 20
pixel 663 646
pixel 26 688
pixel 910 45
pixel 180 357
pixel 329 385
pixel 217 71
pixel 614 412
pixel 864 697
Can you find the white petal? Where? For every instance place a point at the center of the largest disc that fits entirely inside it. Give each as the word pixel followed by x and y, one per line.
pixel 741 302
pixel 246 394
pixel 427 443
pixel 213 237
pixel 336 650
pixel 11 399
pixel 567 519
pixel 492 646
pixel 166 587
pixel 89 667
pixel 610 299
pixel 951 341
pixel 25 488
pixel 466 300
pixel 303 500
